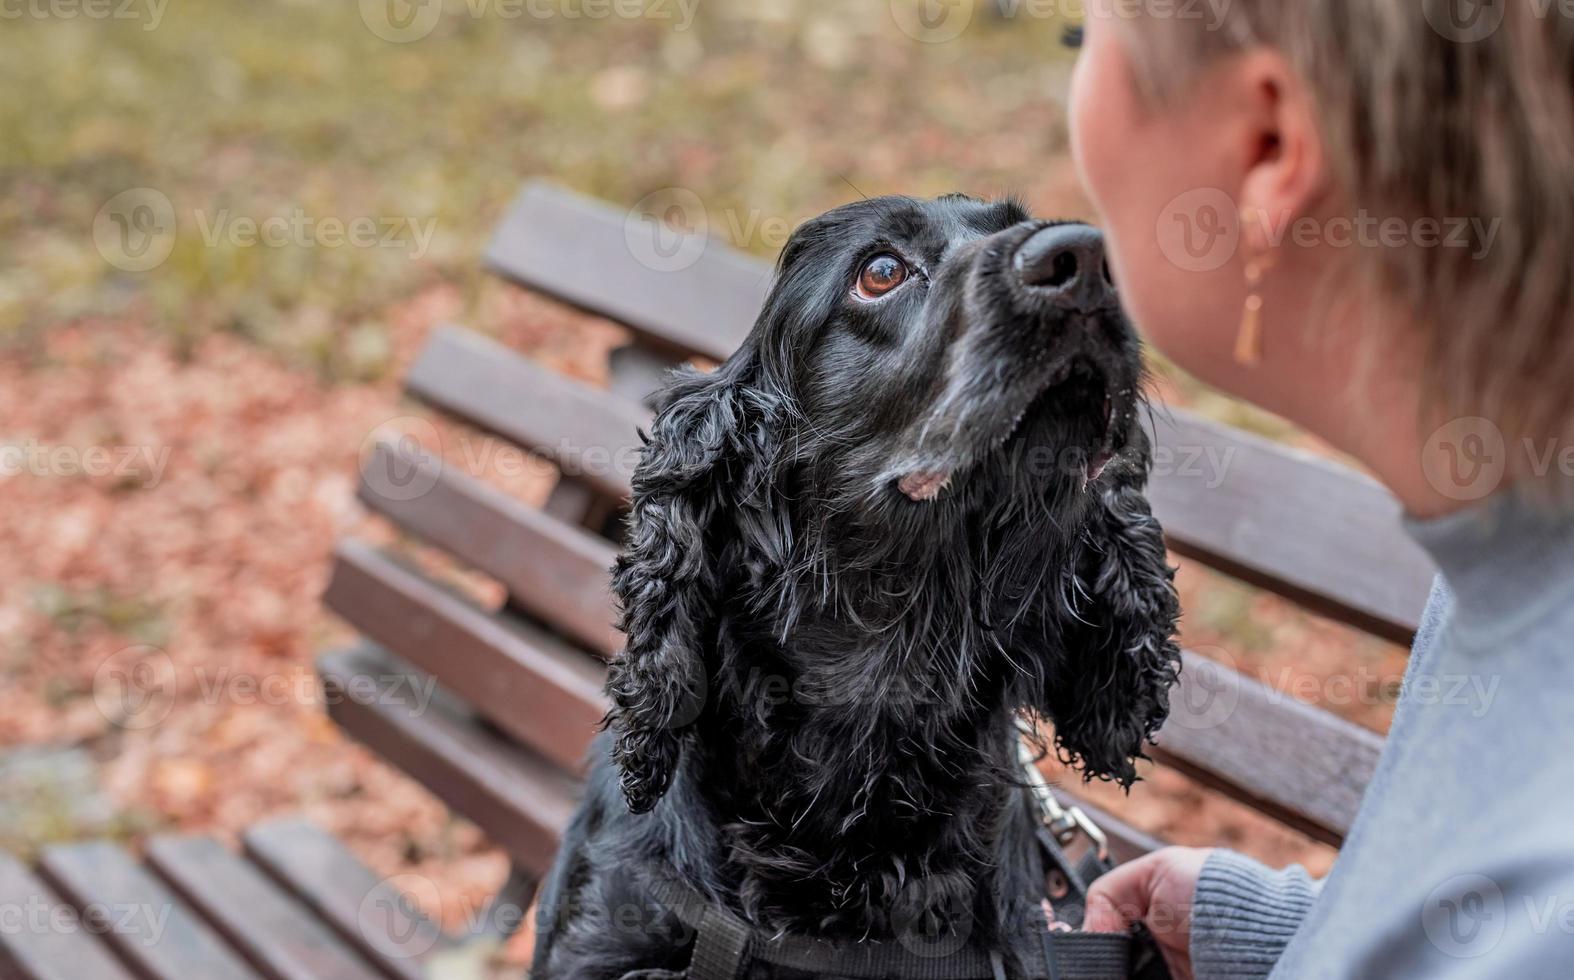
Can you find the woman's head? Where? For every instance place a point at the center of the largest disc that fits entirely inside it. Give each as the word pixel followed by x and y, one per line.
pixel 1403 171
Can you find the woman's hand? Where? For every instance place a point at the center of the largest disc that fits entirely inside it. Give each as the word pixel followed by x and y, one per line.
pixel 1155 890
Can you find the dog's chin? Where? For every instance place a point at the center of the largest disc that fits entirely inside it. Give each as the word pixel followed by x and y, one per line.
pixel 1069 430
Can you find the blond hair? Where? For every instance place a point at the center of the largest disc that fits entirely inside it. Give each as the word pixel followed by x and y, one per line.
pixel 1428 117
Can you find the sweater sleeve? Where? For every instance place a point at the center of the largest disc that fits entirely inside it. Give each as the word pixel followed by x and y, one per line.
pixel 1244 914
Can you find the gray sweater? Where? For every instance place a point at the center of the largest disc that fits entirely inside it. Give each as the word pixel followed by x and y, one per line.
pixel 1460 862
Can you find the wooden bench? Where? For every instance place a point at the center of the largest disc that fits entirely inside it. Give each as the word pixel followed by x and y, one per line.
pixel 504 745
pixel 292 905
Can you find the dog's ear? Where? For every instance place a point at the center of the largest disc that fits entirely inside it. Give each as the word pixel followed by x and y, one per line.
pixel 1119 638
pixel 705 452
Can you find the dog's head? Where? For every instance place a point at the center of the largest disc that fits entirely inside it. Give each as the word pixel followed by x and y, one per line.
pixel 930 382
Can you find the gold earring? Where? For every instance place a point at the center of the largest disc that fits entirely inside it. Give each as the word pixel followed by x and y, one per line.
pixel 1248 341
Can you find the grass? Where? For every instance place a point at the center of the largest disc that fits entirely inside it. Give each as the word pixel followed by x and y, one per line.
pixel 296 110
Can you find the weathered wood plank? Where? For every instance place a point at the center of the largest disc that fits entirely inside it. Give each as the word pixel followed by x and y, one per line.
pixel 556 572
pixel 275 933
pixel 369 913
pixel 530 684
pixel 521 802
pixel 691 295
pixel 1286 521
pixel 46 939
pixel 590 434
pixel 137 915
pixel 1290 760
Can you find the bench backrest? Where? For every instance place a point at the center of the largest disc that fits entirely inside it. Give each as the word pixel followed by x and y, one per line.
pixel 1302 527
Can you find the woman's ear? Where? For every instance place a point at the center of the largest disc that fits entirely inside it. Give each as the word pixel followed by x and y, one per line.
pixel 1121 657
pixel 708 441
pixel 1285 170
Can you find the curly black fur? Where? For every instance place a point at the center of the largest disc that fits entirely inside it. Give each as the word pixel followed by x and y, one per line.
pixel 813 722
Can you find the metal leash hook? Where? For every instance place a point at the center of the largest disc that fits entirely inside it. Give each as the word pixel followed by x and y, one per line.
pixel 1062 821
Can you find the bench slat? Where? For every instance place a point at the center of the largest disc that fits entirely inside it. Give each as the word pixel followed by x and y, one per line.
pixel 47 940
pixel 520 801
pixel 367 912
pixel 1306 528
pixel 589 433
pixel 276 934
pixel 1312 530
pixel 1297 763
pixel 530 684
pixel 140 918
pixel 589 254
pixel 556 572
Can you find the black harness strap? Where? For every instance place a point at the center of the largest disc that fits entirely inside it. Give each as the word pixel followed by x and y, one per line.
pixel 725 945
pixel 721 945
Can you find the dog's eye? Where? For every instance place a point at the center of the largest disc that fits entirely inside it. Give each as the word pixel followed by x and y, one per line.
pixel 880 275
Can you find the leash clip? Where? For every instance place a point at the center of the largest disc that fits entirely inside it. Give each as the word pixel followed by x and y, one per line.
pixel 1064 822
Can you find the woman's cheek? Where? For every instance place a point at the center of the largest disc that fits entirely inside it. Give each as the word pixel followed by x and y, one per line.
pixel 1107 140
pixel 1136 166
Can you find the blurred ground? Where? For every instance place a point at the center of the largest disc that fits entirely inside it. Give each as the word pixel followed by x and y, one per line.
pixel 232 384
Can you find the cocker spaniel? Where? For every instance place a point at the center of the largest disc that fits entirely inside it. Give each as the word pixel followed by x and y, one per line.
pixel 906 512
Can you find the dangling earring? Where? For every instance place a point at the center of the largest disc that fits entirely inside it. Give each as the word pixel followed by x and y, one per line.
pixel 1248 342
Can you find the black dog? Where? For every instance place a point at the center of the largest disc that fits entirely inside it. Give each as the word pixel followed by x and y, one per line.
pixel 907 509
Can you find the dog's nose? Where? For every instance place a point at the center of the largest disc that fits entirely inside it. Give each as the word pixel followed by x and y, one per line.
pixel 1067 260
